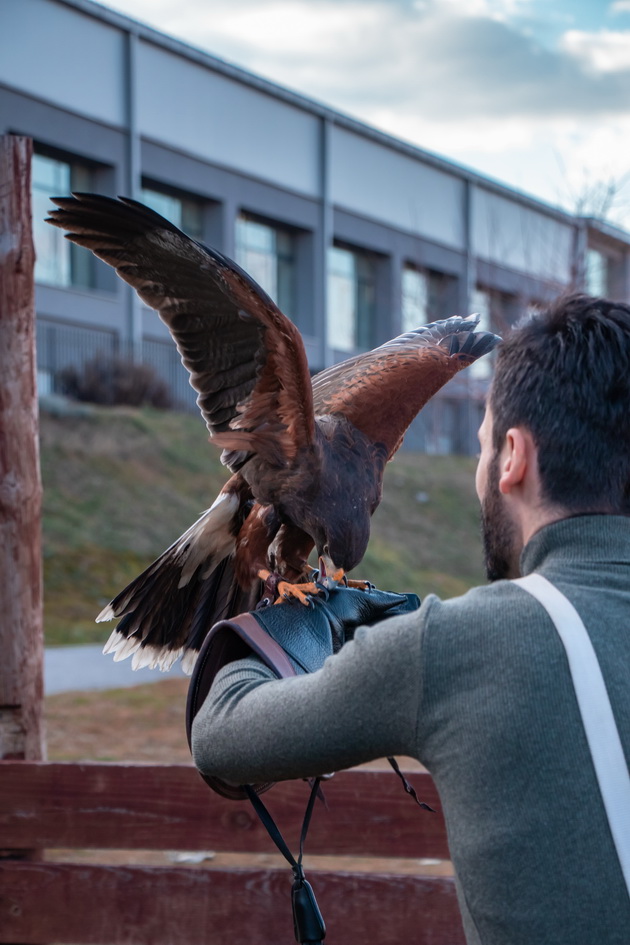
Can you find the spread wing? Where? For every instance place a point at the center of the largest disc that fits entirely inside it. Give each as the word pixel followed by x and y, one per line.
pixel 245 358
pixel 381 391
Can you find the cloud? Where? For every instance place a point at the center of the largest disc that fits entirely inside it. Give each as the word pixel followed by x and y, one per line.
pixel 502 10
pixel 620 6
pixel 365 54
pixel 602 51
pixel 487 66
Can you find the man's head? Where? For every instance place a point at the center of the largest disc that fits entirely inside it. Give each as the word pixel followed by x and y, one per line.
pixel 560 395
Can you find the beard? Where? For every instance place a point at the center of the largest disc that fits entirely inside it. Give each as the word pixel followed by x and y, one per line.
pixel 499 533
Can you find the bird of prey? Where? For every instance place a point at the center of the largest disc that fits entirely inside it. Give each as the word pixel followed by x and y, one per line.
pixel 306 456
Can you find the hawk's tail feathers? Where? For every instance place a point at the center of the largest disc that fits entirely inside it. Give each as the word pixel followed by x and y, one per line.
pixel 168 609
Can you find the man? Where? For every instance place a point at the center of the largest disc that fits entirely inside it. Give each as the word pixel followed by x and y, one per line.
pixel 478 688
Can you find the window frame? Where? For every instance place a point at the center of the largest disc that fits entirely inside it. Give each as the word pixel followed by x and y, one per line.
pixel 191 206
pixel 283 256
pixel 78 265
pixel 363 279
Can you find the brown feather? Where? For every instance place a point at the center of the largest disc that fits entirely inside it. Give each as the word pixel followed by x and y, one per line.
pixel 381 392
pixel 245 358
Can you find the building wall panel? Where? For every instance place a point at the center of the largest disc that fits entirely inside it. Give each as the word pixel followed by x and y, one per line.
pixel 61 55
pixel 185 105
pixel 69 133
pixel 512 235
pixel 395 188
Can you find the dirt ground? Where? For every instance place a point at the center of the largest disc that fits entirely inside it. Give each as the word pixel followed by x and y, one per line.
pixel 142 723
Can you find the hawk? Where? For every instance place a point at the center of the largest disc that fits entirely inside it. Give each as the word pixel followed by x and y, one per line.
pixel 306 456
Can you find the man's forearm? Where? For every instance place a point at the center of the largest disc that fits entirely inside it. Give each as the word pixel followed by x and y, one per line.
pixel 360 705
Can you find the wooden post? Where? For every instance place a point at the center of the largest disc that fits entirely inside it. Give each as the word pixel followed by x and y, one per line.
pixel 21 624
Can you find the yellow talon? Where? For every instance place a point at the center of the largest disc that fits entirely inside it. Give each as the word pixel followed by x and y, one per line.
pixel 288 591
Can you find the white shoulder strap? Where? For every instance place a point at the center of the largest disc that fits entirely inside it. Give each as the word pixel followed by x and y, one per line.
pixel 597 716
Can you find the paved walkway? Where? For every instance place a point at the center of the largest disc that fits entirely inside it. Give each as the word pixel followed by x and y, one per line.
pixel 68 668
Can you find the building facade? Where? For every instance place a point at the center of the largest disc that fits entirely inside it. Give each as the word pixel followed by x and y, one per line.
pixel 355 234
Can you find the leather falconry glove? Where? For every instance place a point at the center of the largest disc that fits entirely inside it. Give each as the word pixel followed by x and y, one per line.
pixel 292 640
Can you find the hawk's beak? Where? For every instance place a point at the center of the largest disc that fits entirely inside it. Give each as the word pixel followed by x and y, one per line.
pixel 329 575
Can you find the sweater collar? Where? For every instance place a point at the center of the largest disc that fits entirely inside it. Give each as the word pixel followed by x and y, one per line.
pixel 577 539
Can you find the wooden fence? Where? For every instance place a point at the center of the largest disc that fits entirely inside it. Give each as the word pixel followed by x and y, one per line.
pixel 47 807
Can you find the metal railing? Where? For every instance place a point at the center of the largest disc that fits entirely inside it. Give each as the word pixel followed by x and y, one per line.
pixel 62 345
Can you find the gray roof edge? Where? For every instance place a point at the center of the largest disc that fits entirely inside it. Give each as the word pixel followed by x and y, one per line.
pixel 611 230
pixel 240 74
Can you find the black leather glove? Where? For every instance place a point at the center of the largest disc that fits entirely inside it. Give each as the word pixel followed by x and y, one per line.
pixel 309 634
pixel 291 639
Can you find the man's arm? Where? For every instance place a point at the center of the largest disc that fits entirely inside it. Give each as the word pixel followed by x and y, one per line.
pixel 362 704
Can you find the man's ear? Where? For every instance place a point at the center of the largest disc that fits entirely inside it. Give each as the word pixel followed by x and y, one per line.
pixel 514 459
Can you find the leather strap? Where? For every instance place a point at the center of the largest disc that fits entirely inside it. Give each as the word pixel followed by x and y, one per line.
pixel 263 645
pixel 309 926
pixel 597 715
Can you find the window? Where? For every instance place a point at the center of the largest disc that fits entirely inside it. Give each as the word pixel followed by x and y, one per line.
pixel 59 262
pixel 268 254
pixel 415 299
pixel 596 273
pixel 481 304
pixel 425 296
pixel 185 212
pixel 351 299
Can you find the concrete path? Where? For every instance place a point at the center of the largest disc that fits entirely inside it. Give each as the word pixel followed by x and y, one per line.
pixel 70 668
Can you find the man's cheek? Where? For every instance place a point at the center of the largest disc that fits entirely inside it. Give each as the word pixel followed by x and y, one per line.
pixel 480 479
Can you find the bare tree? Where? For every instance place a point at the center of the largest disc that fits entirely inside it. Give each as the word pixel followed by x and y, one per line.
pixel 602 197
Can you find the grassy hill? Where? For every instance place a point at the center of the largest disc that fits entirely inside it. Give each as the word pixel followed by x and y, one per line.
pixel 121 484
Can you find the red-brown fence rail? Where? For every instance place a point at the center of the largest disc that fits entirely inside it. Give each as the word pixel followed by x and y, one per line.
pixel 148 807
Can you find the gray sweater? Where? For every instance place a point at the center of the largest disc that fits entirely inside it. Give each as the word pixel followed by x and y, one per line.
pixel 478 689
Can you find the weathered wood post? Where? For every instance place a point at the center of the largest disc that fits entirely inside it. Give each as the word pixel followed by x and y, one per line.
pixel 21 624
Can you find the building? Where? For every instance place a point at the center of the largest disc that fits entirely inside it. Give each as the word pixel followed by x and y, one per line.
pixel 355 234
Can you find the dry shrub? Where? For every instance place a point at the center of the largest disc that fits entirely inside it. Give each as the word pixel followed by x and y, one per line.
pixel 113 381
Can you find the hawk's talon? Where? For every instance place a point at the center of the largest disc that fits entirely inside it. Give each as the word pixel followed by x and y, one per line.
pixel 360 585
pixel 323 591
pixel 300 592
pixel 292 598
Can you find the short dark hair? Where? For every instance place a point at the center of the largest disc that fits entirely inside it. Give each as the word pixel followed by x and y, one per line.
pixel 565 375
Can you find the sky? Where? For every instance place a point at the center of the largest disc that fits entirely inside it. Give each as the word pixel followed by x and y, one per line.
pixel 533 93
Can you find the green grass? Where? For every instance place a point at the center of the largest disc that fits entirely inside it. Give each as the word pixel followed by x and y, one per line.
pixel 78 583
pixel 121 484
